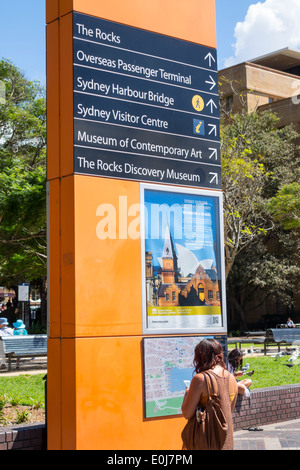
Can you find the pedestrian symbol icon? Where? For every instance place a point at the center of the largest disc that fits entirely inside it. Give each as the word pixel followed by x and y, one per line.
pixel 198 103
pixel 199 127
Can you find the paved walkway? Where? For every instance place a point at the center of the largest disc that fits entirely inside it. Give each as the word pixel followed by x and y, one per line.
pixel 278 436
pixel 37 365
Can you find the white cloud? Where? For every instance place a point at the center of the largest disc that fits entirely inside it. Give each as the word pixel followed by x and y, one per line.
pixel 268 26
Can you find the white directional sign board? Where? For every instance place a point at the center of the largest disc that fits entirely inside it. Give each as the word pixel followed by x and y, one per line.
pixel 23 292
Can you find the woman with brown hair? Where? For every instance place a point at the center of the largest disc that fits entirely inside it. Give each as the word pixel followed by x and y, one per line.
pixel 208 357
pixel 235 364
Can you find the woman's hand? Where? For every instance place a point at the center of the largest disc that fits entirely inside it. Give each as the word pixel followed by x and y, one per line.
pixel 192 396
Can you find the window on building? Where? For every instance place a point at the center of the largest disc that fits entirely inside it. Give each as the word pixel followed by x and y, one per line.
pixel 200 289
pixel 167 297
pixel 272 99
pixel 173 296
pixel 201 292
pixel 229 103
pixel 210 295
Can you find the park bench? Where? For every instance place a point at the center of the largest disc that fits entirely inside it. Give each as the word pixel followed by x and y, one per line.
pixel 239 341
pixel 281 335
pixel 17 347
pixel 254 334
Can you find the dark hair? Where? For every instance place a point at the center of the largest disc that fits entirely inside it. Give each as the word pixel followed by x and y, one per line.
pixel 208 354
pixel 234 356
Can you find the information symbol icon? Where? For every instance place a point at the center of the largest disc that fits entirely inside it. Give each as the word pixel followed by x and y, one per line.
pixel 199 128
pixel 198 103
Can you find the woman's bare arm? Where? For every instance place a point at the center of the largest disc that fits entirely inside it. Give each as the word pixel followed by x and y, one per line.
pixel 192 396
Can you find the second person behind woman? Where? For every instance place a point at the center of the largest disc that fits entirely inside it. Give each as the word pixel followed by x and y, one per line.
pixel 235 363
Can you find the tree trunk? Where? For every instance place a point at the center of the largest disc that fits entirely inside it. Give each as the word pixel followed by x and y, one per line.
pixel 238 307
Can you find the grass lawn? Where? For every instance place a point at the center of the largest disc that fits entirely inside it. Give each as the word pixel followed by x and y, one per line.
pixel 271 372
pixel 23 389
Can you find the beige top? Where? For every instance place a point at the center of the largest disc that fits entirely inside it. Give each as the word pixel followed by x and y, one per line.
pixel 227 399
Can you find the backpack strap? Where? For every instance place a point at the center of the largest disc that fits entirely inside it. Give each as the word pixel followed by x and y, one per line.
pixel 210 384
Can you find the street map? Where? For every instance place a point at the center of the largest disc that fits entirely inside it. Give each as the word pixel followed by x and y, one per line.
pixel 168 361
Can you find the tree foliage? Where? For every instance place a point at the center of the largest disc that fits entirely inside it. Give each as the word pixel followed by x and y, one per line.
pixel 260 170
pixel 22 178
pixel 285 206
pixel 244 177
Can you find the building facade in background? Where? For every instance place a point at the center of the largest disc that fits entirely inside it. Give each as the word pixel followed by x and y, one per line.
pixel 271 82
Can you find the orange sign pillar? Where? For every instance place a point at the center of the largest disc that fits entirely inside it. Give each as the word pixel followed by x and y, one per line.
pixel 95 369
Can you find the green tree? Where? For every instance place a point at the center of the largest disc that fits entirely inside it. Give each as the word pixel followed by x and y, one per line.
pixel 23 251
pixel 285 206
pixel 257 160
pixel 267 272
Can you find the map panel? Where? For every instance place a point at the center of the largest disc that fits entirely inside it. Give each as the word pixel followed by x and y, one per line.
pixel 168 361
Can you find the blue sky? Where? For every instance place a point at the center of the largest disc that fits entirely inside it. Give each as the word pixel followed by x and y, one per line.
pixel 22 36
pixel 267 26
pixel 228 13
